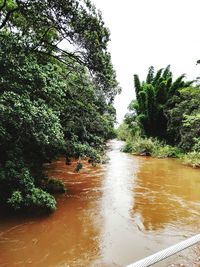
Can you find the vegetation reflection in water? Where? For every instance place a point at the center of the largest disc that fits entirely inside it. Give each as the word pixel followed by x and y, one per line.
pixel 111 215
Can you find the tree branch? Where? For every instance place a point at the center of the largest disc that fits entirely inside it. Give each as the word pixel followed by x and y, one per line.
pixel 71 55
pixel 55 57
pixel 41 39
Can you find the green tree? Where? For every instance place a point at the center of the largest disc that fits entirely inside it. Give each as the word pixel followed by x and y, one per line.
pixel 52 100
pixel 43 26
pixel 152 99
pixel 184 119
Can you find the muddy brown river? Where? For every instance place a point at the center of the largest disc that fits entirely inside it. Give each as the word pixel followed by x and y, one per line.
pixel 111 215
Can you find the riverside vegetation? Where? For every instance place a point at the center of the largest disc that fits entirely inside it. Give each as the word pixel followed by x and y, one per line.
pixel 57 87
pixel 164 119
pixel 53 100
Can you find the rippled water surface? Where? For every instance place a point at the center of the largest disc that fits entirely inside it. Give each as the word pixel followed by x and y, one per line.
pixel 111 215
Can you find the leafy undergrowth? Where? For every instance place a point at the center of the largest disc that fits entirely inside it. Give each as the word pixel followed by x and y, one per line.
pixel 192 159
pixel 151 147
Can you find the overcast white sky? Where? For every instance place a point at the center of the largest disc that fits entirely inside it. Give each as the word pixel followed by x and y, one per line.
pixel 151 32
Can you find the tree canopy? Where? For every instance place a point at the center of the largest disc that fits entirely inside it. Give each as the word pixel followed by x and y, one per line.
pixel 153 97
pixel 43 25
pixel 52 100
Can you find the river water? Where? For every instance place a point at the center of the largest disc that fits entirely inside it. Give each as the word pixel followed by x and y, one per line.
pixel 111 215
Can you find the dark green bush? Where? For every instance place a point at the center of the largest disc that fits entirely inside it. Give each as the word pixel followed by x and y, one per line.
pixel 55 186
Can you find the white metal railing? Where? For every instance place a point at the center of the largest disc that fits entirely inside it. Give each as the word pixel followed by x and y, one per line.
pixel 163 254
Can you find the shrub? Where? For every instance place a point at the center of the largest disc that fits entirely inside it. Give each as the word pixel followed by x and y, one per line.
pixel 78 167
pixel 141 146
pixel 37 198
pixel 150 146
pixel 128 148
pixel 16 200
pixel 55 186
pixel 192 159
pixel 164 151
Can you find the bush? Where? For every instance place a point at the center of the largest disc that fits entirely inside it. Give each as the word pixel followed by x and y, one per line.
pixel 140 146
pixel 16 200
pixel 164 151
pixel 55 186
pixel 78 167
pixel 192 159
pixel 150 147
pixel 128 148
pixel 41 200
pixel 35 199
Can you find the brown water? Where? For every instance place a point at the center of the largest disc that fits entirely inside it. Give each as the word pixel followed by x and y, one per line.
pixel 111 215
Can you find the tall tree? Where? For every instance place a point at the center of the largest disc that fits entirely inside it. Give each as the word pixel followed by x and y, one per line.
pixel 152 97
pixel 52 100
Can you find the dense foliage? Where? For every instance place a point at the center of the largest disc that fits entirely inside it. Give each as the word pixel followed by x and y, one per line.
pixel 167 111
pixel 152 98
pixel 52 100
pixel 184 119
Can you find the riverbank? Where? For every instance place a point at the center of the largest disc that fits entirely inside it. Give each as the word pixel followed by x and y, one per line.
pixel 153 147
